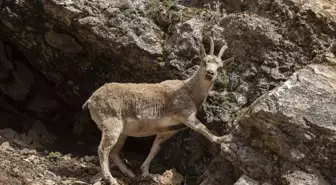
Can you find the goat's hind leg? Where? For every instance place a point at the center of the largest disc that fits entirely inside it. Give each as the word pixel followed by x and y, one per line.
pixel 111 130
pixel 159 139
pixel 116 157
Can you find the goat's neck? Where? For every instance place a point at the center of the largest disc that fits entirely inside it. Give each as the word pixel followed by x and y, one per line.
pixel 198 87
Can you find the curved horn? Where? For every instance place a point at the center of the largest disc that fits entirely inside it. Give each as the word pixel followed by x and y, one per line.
pixel 212 46
pixel 202 51
pixel 221 52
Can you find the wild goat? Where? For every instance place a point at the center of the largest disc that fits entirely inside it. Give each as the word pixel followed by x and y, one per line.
pixel 161 109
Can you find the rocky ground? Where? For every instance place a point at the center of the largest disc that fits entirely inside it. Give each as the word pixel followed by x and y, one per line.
pixel 277 99
pixel 20 164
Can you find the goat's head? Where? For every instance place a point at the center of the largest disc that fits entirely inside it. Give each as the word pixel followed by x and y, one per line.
pixel 211 63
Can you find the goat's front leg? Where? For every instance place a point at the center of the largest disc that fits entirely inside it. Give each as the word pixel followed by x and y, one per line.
pixel 160 138
pixel 193 123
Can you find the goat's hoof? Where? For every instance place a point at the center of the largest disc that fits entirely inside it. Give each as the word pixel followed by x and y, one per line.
pixel 223 139
pixel 154 177
pixel 110 181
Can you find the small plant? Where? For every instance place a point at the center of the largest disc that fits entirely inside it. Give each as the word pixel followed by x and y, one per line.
pixel 55 155
pixel 160 59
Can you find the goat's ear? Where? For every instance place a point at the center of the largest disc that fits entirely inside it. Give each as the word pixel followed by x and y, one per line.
pixel 228 62
pixel 202 52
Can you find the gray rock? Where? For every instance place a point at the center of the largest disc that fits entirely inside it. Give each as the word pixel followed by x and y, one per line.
pixel 5 146
pixel 245 180
pixel 8 133
pixel 19 80
pixel 293 119
pixel 40 104
pixel 63 42
pixel 303 178
pixel 5 63
pixel 26 151
pixel 49 182
pixel 39 135
pixel 186 38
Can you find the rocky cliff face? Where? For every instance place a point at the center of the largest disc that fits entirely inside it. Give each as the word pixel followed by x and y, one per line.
pixel 277 100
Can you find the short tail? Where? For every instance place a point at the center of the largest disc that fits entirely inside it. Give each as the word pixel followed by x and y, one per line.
pixel 85 105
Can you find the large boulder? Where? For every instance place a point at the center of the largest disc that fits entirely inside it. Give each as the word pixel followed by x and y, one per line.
pixel 290 132
pixel 77 45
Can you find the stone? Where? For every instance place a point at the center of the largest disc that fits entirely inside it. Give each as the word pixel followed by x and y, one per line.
pixel 97 183
pixel 39 135
pixel 32 159
pixel 63 42
pixel 40 104
pixel 26 151
pixel 186 38
pixel 8 133
pixel 66 157
pixel 298 177
pixel 304 105
pixel 245 180
pixel 171 177
pixel 49 182
pixel 96 178
pixel 79 183
pixel 89 158
pixel 5 146
pixel 21 80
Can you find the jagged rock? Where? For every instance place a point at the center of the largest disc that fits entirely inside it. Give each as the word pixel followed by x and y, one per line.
pixel 8 134
pixel 26 151
pixel 186 38
pixel 17 80
pixel 97 183
pixel 304 178
pixel 90 158
pixel 217 173
pixel 63 42
pixel 79 54
pixel 171 177
pixel 182 47
pixel 5 146
pixel 32 159
pixel 291 121
pixel 49 182
pixel 38 136
pixel 245 180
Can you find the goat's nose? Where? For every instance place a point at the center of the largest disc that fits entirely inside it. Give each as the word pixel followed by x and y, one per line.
pixel 210 72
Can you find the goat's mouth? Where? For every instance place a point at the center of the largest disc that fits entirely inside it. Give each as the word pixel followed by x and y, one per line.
pixel 209 77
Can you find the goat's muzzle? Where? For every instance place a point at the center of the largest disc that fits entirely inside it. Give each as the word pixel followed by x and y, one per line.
pixel 209 77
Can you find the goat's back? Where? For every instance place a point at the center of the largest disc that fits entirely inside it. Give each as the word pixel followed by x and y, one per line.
pixel 139 101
